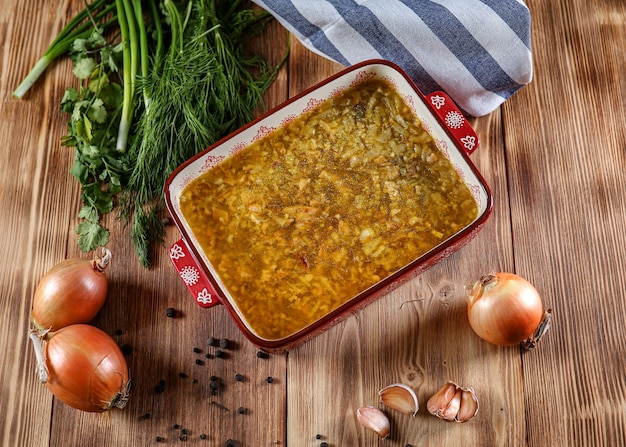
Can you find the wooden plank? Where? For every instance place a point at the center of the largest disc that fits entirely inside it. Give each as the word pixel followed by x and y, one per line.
pixel 34 222
pixel 565 144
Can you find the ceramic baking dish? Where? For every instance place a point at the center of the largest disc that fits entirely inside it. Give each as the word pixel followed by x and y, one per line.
pixel 452 133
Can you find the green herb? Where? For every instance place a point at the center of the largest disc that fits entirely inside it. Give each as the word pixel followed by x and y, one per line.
pixel 187 60
pixel 92 129
pixel 96 14
pixel 203 89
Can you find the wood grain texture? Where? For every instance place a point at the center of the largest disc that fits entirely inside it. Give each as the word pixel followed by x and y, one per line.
pixel 554 157
pixel 565 166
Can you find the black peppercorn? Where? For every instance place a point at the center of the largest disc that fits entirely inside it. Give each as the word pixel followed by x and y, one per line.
pixel 324 444
pixel 224 343
pixel 176 426
pixel 208 355
pixel 318 436
pixel 199 362
pixel 230 443
pixel 241 410
pixel 170 312
pixel 197 350
pixel 184 431
pixel 270 379
pixel 262 354
pixel 220 354
pixel 214 385
pixel 214 378
pixel 182 375
pixel 158 439
pixel 239 378
pixel 118 332
pixel 211 341
pixel 127 349
pixel 203 436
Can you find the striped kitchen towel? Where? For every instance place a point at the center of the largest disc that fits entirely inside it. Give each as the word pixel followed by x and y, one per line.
pixel 477 51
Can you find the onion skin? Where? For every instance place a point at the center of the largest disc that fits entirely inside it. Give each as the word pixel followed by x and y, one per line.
pixel 87 369
pixel 504 309
pixel 71 292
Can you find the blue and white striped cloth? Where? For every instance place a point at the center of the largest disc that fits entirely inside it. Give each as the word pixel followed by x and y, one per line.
pixel 477 51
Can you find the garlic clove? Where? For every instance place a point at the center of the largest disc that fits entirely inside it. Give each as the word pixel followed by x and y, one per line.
pixel 438 403
pixel 374 419
pixel 453 403
pixel 401 397
pixel 450 412
pixel 469 405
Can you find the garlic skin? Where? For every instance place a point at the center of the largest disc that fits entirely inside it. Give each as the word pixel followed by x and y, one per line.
pixel 375 420
pixel 401 397
pixel 453 403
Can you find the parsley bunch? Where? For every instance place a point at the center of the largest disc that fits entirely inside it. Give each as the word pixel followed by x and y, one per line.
pixel 94 110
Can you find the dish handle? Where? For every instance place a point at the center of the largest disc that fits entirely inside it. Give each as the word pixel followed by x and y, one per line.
pixel 194 278
pixel 456 123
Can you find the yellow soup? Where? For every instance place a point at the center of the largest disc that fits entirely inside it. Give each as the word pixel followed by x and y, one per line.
pixel 324 207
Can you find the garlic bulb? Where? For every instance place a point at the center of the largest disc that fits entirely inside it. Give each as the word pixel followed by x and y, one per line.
pixel 401 397
pixel 374 419
pixel 453 403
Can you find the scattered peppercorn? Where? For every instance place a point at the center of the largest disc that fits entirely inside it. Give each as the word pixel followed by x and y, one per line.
pixel 214 378
pixel 239 378
pixel 197 350
pixel 262 354
pixel 199 362
pixel 118 332
pixel 270 379
pixel 211 341
pixel 160 388
pixel 318 436
pixel 208 355
pixel 203 436
pixel 214 385
pixel 242 410
pixel 146 416
pixel 176 426
pixel 230 443
pixel 408 445
pixel 170 312
pixel 220 354
pixel 184 431
pixel 224 343
pixel 182 438
pixel 158 439
pixel 213 392
pixel 127 349
pixel 182 375
pixel 324 444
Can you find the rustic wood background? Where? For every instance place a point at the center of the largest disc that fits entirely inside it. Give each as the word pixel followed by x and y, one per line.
pixel 554 156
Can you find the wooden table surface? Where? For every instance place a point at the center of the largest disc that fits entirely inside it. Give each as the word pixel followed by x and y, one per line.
pixel 554 156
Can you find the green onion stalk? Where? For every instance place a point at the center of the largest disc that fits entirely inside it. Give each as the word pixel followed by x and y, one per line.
pixel 95 15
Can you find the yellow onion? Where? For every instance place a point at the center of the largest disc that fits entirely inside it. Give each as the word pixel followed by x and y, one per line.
pixel 505 309
pixel 73 291
pixel 86 368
